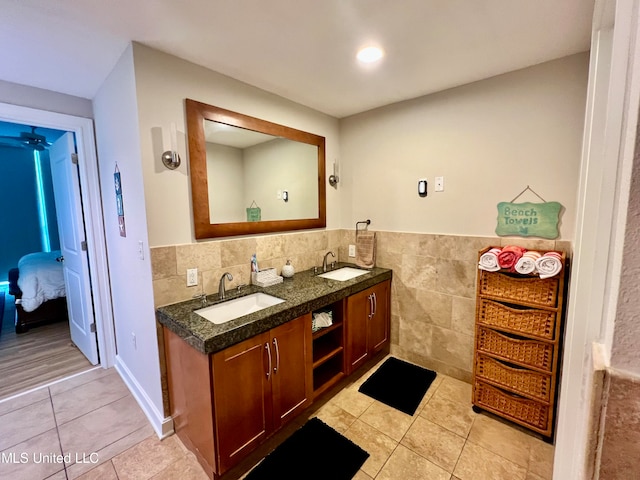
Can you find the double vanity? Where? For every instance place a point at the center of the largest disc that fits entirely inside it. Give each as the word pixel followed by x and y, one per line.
pixel 240 369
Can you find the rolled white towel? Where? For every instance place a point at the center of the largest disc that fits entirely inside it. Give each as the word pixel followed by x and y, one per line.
pixel 489 260
pixel 549 264
pixel 527 263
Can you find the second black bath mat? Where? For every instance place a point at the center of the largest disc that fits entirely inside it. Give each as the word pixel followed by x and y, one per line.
pixel 399 384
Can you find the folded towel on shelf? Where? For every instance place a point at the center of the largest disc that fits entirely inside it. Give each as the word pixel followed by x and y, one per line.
pixel 509 256
pixel 489 260
pixel 549 264
pixel 527 263
pixel 321 320
pixel 366 249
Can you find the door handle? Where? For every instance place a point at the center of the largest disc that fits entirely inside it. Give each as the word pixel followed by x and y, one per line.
pixel 370 297
pixel 375 304
pixel 60 258
pixel 275 344
pixel 268 348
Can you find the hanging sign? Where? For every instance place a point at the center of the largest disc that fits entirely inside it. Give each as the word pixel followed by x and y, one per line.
pixel 254 214
pixel 528 219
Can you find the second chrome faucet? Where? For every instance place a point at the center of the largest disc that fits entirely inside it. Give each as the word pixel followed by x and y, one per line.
pixel 227 276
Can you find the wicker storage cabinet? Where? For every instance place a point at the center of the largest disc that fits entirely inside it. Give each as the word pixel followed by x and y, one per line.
pixel 517 346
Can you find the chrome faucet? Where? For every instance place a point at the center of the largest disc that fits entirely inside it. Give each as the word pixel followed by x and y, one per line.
pixel 229 277
pixel 324 261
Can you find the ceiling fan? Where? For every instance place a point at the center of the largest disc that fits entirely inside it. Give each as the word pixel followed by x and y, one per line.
pixel 30 140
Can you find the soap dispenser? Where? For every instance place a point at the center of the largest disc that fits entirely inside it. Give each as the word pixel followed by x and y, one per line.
pixel 288 270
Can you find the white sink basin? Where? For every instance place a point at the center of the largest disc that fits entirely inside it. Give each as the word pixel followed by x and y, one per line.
pixel 344 273
pixel 238 307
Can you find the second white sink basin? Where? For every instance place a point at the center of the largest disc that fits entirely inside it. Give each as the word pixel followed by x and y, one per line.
pixel 344 273
pixel 238 307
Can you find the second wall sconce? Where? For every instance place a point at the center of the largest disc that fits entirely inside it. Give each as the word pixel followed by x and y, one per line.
pixel 170 158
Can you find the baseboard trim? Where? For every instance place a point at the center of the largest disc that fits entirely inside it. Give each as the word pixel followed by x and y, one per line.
pixel 163 426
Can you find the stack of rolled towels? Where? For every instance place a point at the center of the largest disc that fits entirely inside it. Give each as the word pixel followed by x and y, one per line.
pixel 520 260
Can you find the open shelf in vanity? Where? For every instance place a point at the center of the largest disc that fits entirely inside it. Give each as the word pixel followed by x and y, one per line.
pixel 328 350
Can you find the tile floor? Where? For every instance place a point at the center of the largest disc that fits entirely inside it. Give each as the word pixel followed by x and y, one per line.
pixel 90 427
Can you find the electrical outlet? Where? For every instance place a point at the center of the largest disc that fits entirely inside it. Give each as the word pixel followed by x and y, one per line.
pixel 439 184
pixel 192 277
pixel 140 250
pixel 133 341
pixel 352 250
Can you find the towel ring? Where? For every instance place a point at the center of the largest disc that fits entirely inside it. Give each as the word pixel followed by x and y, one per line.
pixel 365 222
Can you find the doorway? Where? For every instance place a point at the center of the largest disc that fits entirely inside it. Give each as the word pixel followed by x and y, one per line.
pixel 89 198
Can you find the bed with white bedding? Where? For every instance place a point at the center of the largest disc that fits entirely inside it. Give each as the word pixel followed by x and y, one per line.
pixel 39 289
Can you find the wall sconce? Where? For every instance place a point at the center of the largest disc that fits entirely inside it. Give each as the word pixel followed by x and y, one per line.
pixel 334 179
pixel 170 158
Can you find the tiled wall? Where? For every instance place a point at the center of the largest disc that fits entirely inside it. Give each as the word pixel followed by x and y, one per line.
pixel 433 288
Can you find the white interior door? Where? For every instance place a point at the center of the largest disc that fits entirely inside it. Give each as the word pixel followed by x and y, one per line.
pixel 66 191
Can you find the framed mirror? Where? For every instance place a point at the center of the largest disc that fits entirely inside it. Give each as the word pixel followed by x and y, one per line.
pixel 252 176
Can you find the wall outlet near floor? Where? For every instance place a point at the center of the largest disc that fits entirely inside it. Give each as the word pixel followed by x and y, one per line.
pixel 192 277
pixel 352 250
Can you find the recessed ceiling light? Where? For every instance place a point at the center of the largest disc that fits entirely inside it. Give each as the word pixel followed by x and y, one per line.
pixel 370 54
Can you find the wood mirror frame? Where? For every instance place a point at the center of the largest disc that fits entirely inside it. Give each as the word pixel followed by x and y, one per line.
pixel 197 112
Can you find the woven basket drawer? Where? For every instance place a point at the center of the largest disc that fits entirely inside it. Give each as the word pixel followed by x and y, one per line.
pixel 526 382
pixel 533 290
pixel 512 406
pixel 527 352
pixel 540 323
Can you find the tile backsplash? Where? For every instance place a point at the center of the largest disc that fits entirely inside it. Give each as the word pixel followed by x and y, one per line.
pixel 433 288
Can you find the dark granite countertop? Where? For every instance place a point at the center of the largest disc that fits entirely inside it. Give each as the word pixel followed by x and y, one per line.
pixel 303 293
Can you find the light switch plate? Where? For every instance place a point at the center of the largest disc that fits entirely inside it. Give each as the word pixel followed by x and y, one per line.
pixel 439 184
pixel 192 277
pixel 352 250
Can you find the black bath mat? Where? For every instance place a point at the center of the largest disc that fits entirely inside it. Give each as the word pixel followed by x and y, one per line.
pixel 399 384
pixel 314 452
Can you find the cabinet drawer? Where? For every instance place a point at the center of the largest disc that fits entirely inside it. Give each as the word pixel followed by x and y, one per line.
pixel 514 407
pixel 527 382
pixel 528 290
pixel 528 352
pixel 531 321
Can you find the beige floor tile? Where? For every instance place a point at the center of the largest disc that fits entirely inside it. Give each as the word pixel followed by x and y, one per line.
pixel 454 390
pixel 455 417
pixel 29 458
pixel 335 417
pixel 433 442
pixel 541 459
pixel 24 400
pixel 97 429
pixel 61 475
pixel 386 419
pixel 352 401
pixel 89 396
pixel 502 439
pixel 26 422
pixel 106 471
pixel 377 445
pixel 533 476
pixel 477 463
pixel 107 453
pixel 81 379
pixel 147 458
pixel 360 475
pixel 429 393
pixel 186 468
pixel 407 465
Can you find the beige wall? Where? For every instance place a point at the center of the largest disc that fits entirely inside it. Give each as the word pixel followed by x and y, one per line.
pixel 488 139
pixel 162 83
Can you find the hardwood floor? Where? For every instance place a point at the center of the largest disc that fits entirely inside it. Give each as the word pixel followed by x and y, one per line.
pixel 37 357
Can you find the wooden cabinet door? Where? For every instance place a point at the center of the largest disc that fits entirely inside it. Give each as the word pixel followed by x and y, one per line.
pixel 378 331
pixel 242 399
pixel 358 310
pixel 291 369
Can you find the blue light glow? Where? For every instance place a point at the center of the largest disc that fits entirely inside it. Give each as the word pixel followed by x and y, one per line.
pixel 42 204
